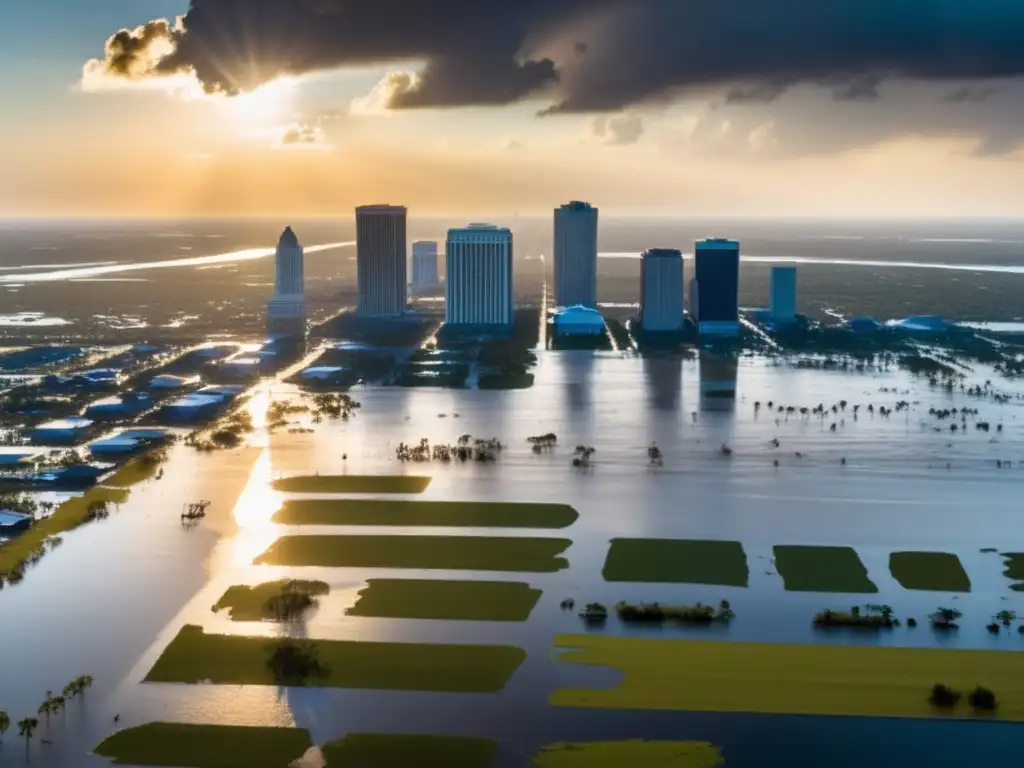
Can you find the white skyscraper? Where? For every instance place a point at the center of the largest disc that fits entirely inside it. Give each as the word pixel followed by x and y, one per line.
pixel 661 290
pixel 783 293
pixel 576 255
pixel 478 276
pixel 381 260
pixel 424 266
pixel 286 310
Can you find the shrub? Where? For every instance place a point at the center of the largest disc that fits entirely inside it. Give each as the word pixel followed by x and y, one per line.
pixel 911 622
pixel 993 628
pixel 944 697
pixel 983 699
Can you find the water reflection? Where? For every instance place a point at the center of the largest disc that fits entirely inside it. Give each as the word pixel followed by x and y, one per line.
pixel 718 375
pixel 253 513
pixel 577 369
pixel 664 377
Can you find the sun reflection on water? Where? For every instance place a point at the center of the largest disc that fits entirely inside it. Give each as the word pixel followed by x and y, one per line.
pixel 253 512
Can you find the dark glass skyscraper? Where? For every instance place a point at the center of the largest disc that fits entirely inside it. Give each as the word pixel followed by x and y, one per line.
pixel 715 299
pixel 381 257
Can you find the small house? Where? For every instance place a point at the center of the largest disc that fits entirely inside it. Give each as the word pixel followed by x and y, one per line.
pixel 118 406
pixel 168 381
pixel 60 431
pixel 192 407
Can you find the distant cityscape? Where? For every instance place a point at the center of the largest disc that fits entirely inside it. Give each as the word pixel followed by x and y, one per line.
pixel 479 283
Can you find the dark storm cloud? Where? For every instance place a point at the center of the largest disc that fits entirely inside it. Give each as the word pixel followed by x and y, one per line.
pixel 971 94
pixel 598 55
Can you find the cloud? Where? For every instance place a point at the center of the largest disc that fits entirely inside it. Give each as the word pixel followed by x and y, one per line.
pixel 971 94
pixel 762 137
pixel 512 145
pixel 380 98
pixel 581 55
pixel 617 131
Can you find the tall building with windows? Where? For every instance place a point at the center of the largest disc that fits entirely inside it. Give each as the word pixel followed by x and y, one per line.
pixel 576 255
pixel 424 266
pixel 661 290
pixel 286 310
pixel 715 290
pixel 381 260
pixel 478 276
pixel 783 294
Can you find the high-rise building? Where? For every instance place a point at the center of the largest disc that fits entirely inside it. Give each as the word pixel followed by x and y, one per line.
pixel 381 257
pixel 478 276
pixel 661 290
pixel 715 292
pixel 424 266
pixel 576 255
pixel 286 310
pixel 783 294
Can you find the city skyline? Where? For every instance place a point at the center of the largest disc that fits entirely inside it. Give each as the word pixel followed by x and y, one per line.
pixel 102 123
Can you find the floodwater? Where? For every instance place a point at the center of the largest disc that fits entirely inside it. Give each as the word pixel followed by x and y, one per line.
pixel 109 600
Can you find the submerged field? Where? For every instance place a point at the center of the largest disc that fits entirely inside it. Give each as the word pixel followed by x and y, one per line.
pixel 929 571
pixel 454 514
pixel 195 656
pixel 630 754
pixel 822 569
pixel 352 484
pixel 789 678
pixel 472 553
pixel 250 603
pixel 688 561
pixel 444 599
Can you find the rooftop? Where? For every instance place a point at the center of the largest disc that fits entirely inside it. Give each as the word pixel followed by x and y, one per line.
pixel 196 401
pixel 718 244
pixel 663 253
pixel 288 239
pixel 576 205
pixel 74 422
pixel 8 518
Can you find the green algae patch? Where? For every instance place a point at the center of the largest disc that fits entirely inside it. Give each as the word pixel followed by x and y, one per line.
pixel 929 571
pixel 444 599
pixel 686 561
pixel 466 553
pixel 722 676
pixel 822 569
pixel 1014 568
pixel 635 753
pixel 195 656
pixel 246 603
pixel 352 484
pixel 454 514
pixel 386 750
pixel 205 746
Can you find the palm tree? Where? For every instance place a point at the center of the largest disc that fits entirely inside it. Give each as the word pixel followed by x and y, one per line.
pixel 5 723
pixel 26 727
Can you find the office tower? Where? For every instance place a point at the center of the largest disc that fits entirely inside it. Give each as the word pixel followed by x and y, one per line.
pixel 286 310
pixel 715 299
pixel 576 255
pixel 381 256
pixel 424 266
pixel 478 276
pixel 661 290
pixel 783 294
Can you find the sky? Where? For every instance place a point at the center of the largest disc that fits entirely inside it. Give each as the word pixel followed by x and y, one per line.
pixel 690 107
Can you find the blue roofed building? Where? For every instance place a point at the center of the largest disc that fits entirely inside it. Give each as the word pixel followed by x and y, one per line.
pixel 12 523
pixel 118 406
pixel 60 431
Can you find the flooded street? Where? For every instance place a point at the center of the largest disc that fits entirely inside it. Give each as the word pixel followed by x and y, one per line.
pixel 112 597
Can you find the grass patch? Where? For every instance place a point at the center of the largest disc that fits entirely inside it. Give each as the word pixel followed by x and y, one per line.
pixel 857 680
pixel 387 750
pixel 195 656
pixel 205 746
pixel 464 553
pixel 635 753
pixel 687 561
pixel 245 603
pixel 352 484
pixel 443 599
pixel 478 514
pixel 1014 569
pixel 138 470
pixel 929 571
pixel 822 569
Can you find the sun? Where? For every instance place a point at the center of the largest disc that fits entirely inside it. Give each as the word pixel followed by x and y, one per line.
pixel 266 104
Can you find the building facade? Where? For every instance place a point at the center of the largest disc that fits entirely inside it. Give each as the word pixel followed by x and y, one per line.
pixel 715 296
pixel 424 266
pixel 661 290
pixel 286 310
pixel 783 294
pixel 478 276
pixel 576 255
pixel 381 260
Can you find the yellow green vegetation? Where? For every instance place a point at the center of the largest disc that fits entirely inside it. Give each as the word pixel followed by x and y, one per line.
pixel 479 514
pixel 444 599
pixel 205 746
pixel 822 569
pixel 29 546
pixel 387 750
pixel 194 656
pixel 139 470
pixel 467 553
pixel 869 681
pixel 635 753
pixel 688 561
pixel 269 600
pixel 352 484
pixel 930 571
pixel 1014 569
